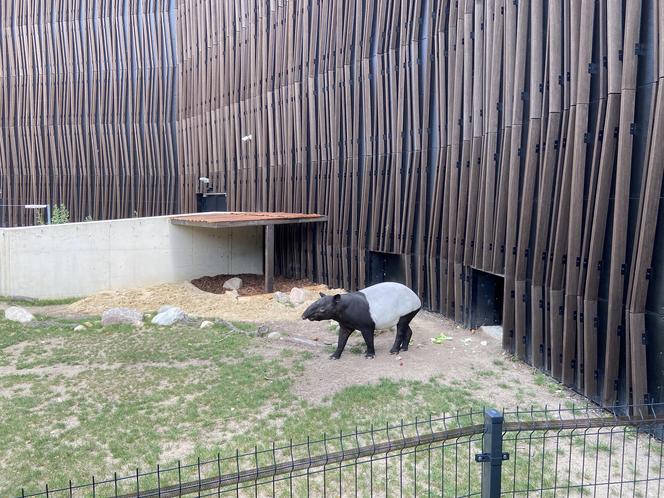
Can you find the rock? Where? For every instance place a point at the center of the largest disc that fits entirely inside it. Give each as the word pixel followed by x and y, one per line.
pixel 274 335
pixel 139 325
pixel 301 341
pixel 165 307
pixel 89 324
pixel 18 314
pixel 263 330
pixel 233 293
pixel 233 283
pixel 169 317
pixel 281 298
pixel 80 328
pixel 117 316
pixel 207 324
pixel 297 296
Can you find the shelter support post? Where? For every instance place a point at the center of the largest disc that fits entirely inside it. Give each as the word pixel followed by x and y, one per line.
pixel 269 258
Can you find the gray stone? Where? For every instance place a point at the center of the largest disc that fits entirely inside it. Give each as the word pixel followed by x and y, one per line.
pixel 297 296
pixel 165 307
pixel 18 314
pixel 169 317
pixel 281 297
pixel 80 328
pixel 121 316
pixel 207 324
pixel 274 335
pixel 493 331
pixel 263 330
pixel 302 341
pixel 233 283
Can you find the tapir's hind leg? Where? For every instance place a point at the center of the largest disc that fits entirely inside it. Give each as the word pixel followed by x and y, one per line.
pixel 404 332
pixel 397 342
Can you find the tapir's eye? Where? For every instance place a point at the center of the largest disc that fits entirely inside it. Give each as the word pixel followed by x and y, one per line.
pixel 321 309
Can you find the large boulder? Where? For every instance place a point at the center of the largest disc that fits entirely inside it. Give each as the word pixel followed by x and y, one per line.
pixel 169 317
pixel 297 296
pixel 233 283
pixel 18 314
pixel 121 316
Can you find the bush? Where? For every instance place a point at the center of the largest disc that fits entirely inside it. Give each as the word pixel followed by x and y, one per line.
pixel 59 215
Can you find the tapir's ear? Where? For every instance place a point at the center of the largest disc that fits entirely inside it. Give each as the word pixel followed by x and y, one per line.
pixel 321 294
pixel 337 298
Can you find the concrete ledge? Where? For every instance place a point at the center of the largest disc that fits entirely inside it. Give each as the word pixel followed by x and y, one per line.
pixel 78 259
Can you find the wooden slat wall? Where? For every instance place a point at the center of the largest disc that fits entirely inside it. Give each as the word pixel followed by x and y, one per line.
pixel 522 138
pixel 87 106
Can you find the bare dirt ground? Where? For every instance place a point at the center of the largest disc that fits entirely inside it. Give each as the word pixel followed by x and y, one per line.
pixel 466 356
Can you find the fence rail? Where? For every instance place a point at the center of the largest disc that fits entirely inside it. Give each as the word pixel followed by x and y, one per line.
pixel 537 451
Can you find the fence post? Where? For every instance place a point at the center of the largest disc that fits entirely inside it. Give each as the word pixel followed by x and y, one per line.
pixel 492 456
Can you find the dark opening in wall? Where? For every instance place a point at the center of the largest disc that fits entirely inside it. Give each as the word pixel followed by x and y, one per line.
pixel 211 201
pixel 386 267
pixel 486 305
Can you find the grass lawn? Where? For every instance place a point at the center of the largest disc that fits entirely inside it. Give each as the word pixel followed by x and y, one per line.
pixel 104 400
pixel 74 404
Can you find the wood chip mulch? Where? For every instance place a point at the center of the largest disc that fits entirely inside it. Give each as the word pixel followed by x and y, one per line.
pixel 252 285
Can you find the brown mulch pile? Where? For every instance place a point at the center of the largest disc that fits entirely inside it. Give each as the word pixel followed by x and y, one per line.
pixel 252 285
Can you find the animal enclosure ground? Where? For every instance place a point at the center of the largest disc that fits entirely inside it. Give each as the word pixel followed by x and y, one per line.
pixel 104 400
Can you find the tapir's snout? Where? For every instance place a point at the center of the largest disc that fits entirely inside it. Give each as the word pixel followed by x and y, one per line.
pixel 308 313
pixel 313 313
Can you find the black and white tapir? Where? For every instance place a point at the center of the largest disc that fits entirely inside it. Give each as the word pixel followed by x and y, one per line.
pixel 381 306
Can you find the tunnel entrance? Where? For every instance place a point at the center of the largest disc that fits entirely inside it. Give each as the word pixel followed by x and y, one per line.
pixel 486 305
pixel 386 267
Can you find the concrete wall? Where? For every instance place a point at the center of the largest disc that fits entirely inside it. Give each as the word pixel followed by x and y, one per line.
pixel 78 259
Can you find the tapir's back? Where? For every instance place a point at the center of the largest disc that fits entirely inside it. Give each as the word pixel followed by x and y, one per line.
pixel 389 301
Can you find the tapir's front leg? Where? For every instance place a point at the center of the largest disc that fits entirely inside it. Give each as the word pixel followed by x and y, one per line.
pixel 368 336
pixel 344 334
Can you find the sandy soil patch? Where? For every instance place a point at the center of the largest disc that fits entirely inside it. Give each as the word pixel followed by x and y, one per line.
pixel 197 302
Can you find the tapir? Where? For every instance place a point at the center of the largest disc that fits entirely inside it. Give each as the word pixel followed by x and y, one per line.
pixel 378 307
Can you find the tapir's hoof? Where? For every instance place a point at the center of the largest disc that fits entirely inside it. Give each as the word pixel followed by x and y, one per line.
pixel 394 351
pixel 334 356
pixel 370 355
pixel 405 348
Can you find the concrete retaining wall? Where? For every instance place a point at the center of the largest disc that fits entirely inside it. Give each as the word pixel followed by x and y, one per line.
pixel 78 259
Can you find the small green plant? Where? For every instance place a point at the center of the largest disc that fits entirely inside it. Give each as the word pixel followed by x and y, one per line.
pixel 60 215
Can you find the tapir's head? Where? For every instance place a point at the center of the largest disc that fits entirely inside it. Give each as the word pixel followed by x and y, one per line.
pixel 323 309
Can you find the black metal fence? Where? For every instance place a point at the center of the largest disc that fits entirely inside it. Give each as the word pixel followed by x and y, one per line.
pixel 538 452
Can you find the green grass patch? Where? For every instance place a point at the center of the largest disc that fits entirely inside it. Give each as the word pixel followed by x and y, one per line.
pixel 27 302
pixel 104 400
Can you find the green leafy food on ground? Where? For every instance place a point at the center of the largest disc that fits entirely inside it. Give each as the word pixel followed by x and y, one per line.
pixel 440 338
